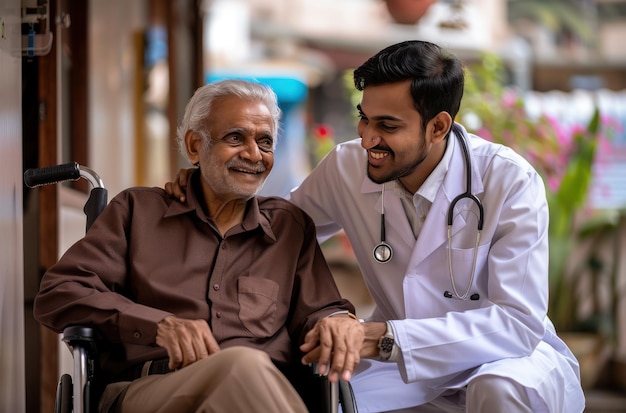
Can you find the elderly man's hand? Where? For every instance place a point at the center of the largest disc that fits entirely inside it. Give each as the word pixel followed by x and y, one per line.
pixel 176 189
pixel 334 341
pixel 186 341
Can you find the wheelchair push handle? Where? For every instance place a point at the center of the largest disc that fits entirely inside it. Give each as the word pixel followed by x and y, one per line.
pixel 71 172
pixel 52 174
pixel 60 173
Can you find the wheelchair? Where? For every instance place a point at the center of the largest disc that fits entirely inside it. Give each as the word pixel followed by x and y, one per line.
pixel 79 393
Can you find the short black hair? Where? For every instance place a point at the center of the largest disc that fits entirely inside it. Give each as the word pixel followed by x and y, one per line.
pixel 437 77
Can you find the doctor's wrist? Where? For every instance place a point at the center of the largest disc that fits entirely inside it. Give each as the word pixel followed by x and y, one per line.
pixel 373 333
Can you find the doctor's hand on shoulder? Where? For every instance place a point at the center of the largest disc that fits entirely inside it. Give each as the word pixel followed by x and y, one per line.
pixel 176 189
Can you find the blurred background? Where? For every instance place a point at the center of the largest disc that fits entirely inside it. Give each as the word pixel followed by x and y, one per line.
pixel 104 83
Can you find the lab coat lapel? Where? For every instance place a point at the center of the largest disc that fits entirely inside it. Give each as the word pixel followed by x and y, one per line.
pixel 434 231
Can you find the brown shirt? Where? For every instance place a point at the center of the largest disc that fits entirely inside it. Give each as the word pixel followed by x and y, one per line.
pixel 147 256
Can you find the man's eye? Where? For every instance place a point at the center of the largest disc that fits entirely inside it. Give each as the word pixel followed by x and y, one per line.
pixel 387 127
pixel 233 139
pixel 265 144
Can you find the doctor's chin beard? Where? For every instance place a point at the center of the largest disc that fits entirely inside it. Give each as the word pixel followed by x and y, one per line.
pixel 379 180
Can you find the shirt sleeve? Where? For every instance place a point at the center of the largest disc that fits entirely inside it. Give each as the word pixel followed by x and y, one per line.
pixel 316 294
pixel 84 287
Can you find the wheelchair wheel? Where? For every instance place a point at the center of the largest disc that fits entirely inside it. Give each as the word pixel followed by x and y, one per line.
pixel 63 402
pixel 346 397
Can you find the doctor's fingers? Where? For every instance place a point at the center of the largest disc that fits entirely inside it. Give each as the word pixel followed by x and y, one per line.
pixel 176 188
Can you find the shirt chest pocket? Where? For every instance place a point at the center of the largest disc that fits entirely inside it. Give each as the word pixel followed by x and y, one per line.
pixel 258 299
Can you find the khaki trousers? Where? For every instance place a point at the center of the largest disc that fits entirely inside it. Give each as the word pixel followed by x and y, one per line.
pixel 237 379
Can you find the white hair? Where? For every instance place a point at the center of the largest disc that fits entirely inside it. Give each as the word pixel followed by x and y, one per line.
pixel 198 109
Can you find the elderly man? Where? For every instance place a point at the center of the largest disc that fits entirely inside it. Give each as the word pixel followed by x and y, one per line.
pixel 216 295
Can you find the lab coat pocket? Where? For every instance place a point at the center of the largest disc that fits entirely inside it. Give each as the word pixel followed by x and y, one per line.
pixel 463 265
pixel 257 305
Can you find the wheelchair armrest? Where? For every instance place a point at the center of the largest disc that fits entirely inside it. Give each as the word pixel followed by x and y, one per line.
pixel 79 333
pixel 81 336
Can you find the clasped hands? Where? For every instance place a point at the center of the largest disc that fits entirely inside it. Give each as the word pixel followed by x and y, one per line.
pixel 334 341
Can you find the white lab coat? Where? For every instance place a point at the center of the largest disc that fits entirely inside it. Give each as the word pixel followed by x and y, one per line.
pixel 445 342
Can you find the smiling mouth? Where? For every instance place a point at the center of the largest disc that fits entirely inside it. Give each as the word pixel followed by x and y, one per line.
pixel 379 155
pixel 247 171
pixel 246 167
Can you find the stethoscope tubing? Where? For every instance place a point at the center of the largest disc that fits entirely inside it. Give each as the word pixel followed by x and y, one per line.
pixel 382 251
pixel 481 214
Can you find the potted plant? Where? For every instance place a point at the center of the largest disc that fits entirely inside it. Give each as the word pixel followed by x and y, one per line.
pixel 408 11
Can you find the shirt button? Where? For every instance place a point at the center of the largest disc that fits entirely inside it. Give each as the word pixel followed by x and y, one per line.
pixel 218 314
pixel 216 287
pixel 223 246
pixel 137 334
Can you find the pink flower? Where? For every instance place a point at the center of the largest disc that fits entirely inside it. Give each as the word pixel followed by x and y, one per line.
pixel 485 134
pixel 553 183
pixel 509 98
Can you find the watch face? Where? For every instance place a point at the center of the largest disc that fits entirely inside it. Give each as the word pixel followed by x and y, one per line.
pixel 386 345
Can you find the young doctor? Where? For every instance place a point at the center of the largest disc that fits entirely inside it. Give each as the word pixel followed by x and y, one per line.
pixel 450 232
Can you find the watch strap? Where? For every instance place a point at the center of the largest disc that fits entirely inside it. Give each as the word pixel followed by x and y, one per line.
pixel 386 344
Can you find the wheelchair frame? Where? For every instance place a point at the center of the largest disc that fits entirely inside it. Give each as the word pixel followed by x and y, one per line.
pixel 76 395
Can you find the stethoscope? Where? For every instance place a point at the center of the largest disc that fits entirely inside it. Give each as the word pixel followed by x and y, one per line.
pixel 383 251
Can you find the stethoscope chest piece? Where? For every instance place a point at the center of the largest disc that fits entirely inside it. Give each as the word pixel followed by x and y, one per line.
pixel 383 252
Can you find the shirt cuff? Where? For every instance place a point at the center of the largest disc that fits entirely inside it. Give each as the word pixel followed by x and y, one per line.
pixel 396 354
pixel 346 312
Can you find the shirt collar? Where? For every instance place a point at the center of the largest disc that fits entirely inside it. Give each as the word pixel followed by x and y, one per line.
pixel 431 185
pixel 252 219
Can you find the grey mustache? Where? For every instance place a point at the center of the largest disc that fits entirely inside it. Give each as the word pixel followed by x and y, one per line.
pixel 253 167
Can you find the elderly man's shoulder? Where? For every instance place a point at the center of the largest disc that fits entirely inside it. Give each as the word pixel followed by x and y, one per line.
pixel 143 194
pixel 277 206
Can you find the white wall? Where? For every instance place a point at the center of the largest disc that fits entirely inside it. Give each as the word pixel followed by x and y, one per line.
pixel 12 381
pixel 112 71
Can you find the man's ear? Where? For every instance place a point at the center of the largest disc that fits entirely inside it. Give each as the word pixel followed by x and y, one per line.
pixel 440 126
pixel 193 143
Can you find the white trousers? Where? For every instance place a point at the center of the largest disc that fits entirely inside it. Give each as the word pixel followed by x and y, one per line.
pixel 550 382
pixel 491 394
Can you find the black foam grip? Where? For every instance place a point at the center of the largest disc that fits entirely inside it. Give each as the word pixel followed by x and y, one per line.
pixel 51 174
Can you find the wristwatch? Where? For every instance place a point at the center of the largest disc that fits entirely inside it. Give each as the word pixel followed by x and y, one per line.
pixel 385 344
